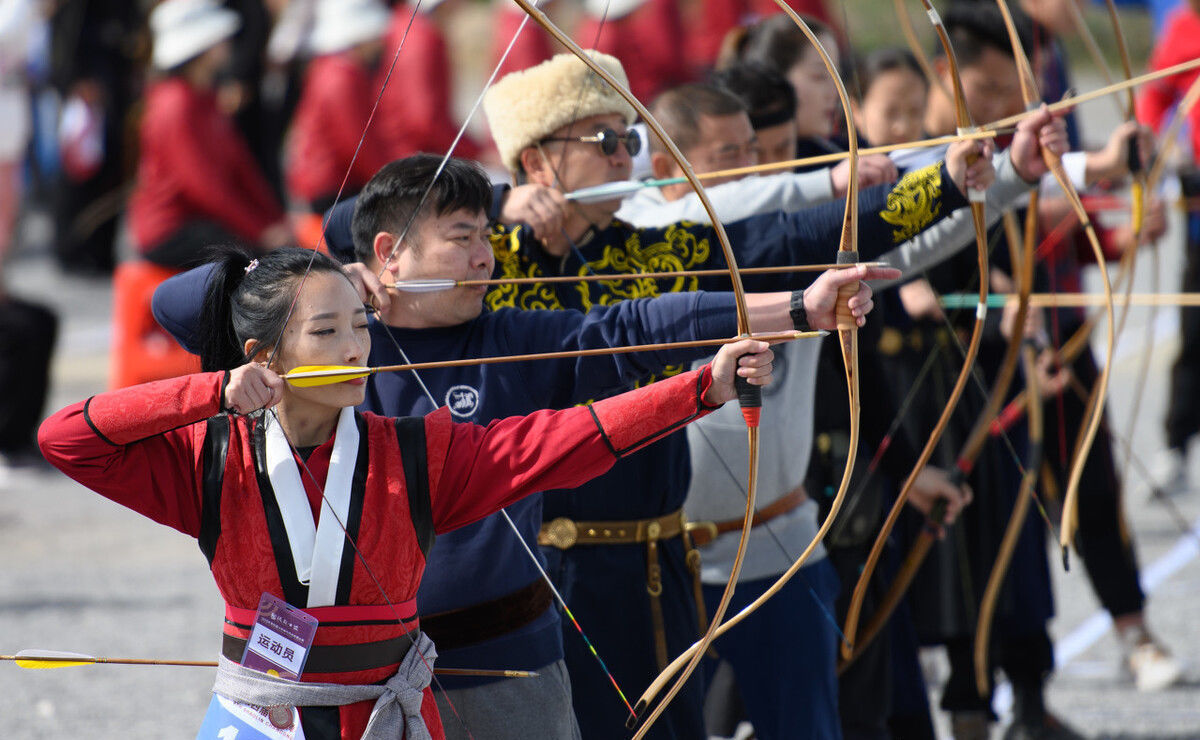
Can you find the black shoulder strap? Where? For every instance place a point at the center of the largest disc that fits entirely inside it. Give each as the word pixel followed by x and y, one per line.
pixel 216 449
pixel 410 433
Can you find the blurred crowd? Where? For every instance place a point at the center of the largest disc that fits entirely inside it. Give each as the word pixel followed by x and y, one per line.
pixel 153 131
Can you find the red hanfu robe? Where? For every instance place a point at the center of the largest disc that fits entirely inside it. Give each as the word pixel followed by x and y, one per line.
pixel 151 448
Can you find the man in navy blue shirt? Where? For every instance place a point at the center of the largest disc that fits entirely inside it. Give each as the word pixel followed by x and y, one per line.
pixel 482 598
pixel 559 126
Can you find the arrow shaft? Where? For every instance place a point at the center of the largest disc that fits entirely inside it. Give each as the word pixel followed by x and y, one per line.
pixel 786 336
pixel 556 279
pixel 1077 300
pixel 87 659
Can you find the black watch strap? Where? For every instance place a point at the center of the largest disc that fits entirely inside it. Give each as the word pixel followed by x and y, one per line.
pixel 798 312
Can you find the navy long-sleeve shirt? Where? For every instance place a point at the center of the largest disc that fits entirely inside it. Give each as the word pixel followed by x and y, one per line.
pixel 654 481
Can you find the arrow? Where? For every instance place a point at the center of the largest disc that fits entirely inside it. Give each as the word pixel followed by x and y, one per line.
pixel 50 659
pixel 622 188
pixel 1064 300
pixel 307 376
pixel 429 285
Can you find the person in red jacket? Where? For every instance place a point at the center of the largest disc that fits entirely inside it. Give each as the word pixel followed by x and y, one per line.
pixel 1180 41
pixel 716 18
pixel 197 182
pixel 330 141
pixel 274 479
pixel 532 47
pixel 645 35
pixel 415 110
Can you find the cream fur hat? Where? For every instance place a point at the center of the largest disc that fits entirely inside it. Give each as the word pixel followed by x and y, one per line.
pixel 527 106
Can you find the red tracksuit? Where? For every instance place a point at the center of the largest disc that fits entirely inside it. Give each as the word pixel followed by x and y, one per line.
pixel 532 47
pixel 648 42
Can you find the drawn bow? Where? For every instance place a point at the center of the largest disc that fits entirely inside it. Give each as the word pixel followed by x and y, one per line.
pixel 963 120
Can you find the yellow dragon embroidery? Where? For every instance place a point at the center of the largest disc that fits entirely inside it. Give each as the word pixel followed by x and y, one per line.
pixel 914 202
pixel 680 248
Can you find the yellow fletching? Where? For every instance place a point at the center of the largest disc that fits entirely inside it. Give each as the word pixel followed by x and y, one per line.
pixel 44 659
pixel 307 376
pixel 41 664
pixel 1138 193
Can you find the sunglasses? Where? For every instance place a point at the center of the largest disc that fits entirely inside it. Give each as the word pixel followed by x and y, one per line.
pixel 608 141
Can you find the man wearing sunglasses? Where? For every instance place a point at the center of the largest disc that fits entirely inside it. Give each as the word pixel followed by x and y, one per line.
pixel 620 554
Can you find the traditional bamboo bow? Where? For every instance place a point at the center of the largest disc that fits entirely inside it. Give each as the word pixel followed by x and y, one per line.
pixel 963 119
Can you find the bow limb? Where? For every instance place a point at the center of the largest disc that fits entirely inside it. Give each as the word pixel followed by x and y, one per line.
pixel 848 337
pixel 1139 188
pixel 963 120
pixel 743 328
pixel 987 608
pixel 1054 162
pixel 1151 181
pixel 976 439
pixel 1012 532
pixel 914 45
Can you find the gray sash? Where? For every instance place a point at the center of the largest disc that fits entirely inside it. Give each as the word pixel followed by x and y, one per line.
pixel 397 710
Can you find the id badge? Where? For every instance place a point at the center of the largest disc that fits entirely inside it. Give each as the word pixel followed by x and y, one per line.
pixel 230 720
pixel 280 639
pixel 278 645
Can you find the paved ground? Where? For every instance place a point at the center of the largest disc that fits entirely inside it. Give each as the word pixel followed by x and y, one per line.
pixel 81 574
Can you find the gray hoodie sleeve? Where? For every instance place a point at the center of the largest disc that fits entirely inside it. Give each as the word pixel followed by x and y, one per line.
pixel 957 231
pixel 733 200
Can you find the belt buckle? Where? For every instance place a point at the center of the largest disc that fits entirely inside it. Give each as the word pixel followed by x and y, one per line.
pixel 561 533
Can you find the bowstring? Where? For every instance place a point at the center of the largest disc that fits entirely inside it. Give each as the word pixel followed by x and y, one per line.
pixel 279 341
pixel 425 389
pixel 345 179
pixel 767 526
pixel 521 538
pixel 327 508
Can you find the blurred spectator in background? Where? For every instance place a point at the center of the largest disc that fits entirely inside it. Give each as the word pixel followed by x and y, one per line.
pixel 197 182
pixel 324 149
pixel 532 47
pixel 261 119
pixel 1157 104
pixel 716 18
pixel 646 35
pixel 415 110
pixel 777 43
pixel 95 49
pixel 27 330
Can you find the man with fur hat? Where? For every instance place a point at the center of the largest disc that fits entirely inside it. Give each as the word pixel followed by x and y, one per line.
pixel 559 125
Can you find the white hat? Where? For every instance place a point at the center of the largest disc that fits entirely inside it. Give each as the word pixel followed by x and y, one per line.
pixel 342 24
pixel 184 29
pixel 527 106
pixel 611 9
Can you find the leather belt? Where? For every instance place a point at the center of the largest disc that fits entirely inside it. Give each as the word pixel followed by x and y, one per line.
pixel 364 656
pixel 565 533
pixel 703 533
pixel 488 620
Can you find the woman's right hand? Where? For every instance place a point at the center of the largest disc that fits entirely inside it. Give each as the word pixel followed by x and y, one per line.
pixel 749 359
pixel 251 387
